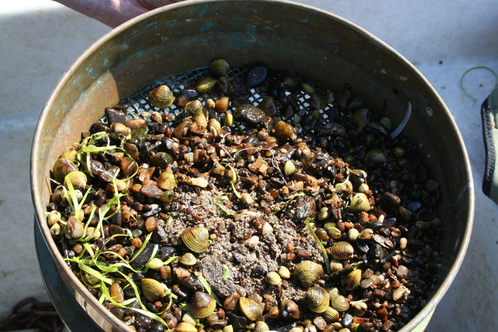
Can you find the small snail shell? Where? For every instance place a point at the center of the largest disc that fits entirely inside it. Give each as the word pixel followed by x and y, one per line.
pixel 250 308
pixel 289 168
pixel 289 308
pixel 219 67
pixel 53 217
pixel 155 263
pixel 344 187
pixel 360 203
pixel 333 293
pixel 70 153
pixel 361 118
pixel 261 327
pixel 205 84
pixel 152 289
pixel 317 299
pixel 55 230
pixel 196 239
pixel 75 229
pixel 342 250
pixel 120 128
pixel 193 107
pixel 335 265
pixel 63 167
pixel 202 305
pixel 330 315
pixel 284 272
pixel 353 234
pixel 352 280
pixel 375 158
pixel 166 181
pixel 332 230
pixel 231 301
pixel 340 303
pixel 78 180
pixel 188 259
pixel 214 124
pixel 161 97
pixel 188 318
pixel 273 313
pixel 308 272
pixel 185 327
pixel 366 234
pixel 273 278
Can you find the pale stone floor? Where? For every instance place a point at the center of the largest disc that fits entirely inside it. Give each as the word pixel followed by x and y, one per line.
pixel 40 39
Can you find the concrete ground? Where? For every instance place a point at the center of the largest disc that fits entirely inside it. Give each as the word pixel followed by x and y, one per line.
pixel 39 39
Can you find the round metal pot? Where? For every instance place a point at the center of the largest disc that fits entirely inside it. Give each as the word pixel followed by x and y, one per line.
pixel 283 35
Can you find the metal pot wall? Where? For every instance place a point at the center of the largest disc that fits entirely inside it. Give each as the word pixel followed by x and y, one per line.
pixel 283 35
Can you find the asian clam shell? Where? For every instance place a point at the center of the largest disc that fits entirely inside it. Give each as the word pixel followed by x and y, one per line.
pixel 161 97
pixel 202 305
pixel 196 239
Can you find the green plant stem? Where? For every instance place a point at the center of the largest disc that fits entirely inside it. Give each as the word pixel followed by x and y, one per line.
pixel 324 252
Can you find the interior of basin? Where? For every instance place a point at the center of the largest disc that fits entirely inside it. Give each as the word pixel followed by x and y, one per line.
pixel 284 36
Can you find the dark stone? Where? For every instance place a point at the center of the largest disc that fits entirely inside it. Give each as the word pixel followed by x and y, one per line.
pixel 238 323
pixel 332 129
pixel 249 114
pixel 142 258
pixel 114 115
pixel 256 75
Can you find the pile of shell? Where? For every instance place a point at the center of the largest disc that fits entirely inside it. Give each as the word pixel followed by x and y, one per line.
pixel 232 216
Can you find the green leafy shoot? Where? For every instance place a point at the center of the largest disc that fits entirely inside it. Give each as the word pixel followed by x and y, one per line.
pixel 99 270
pixel 88 148
pixel 142 311
pixel 234 177
pixel 72 197
pixel 324 252
pixel 86 268
pixel 290 199
pixel 54 213
pixel 251 213
pixel 226 272
pixel 90 218
pixel 168 222
pixel 105 294
pixel 144 244
pixel 114 202
pixel 185 307
pixel 208 289
pixel 169 260
pixel 234 181
pixel 85 264
pixel 239 127
pixel 216 201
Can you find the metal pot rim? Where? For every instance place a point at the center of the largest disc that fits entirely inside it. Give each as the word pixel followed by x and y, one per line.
pixel 85 298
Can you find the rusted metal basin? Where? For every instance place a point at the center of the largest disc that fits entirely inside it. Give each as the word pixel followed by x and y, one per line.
pixel 283 35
